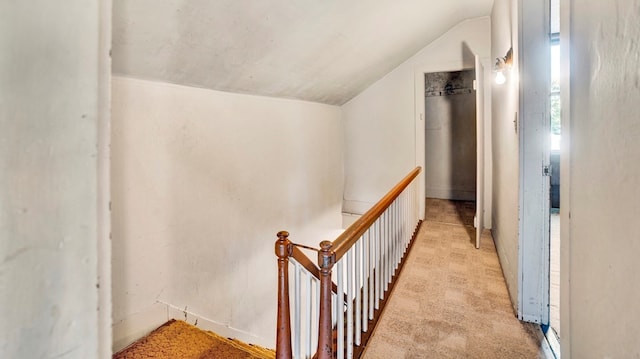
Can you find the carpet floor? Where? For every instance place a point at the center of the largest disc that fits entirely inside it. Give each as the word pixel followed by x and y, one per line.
pixel 179 340
pixel 451 300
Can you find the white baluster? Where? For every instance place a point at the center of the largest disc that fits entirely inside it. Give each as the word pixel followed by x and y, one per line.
pixel 316 316
pixel 372 266
pixel 407 227
pixel 308 316
pixel 334 306
pixel 398 232
pixel 392 256
pixel 296 310
pixel 407 232
pixel 366 269
pixel 340 310
pixel 383 270
pixel 350 273
pixel 409 200
pixel 378 263
pixel 387 233
pixel 359 289
pixel 392 238
pixel 383 229
pixel 389 249
pixel 390 246
pixel 396 204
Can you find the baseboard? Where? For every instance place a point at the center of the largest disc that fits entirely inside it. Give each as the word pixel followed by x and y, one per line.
pixel 356 207
pixel 137 325
pixel 452 194
pixel 222 329
pixel 348 219
pixel 545 349
pixel 552 340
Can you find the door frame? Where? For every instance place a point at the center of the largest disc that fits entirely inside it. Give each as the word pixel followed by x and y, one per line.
pixel 419 110
pixel 478 87
pixel 533 122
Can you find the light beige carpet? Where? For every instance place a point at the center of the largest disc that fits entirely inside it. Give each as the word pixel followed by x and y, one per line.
pixel 451 300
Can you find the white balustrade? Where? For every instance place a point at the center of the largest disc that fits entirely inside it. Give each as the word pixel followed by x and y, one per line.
pixel 362 279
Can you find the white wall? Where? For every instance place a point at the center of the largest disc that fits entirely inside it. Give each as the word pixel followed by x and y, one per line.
pixel 54 78
pixel 600 289
pixel 384 141
pixel 504 35
pixel 201 182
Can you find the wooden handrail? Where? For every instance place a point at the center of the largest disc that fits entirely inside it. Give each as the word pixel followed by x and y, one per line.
pixel 332 252
pixel 328 255
pixel 350 236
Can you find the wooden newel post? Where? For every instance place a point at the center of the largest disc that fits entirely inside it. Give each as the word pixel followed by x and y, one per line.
pixel 326 260
pixel 283 334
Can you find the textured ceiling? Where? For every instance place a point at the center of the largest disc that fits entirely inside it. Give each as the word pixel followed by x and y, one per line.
pixel 317 50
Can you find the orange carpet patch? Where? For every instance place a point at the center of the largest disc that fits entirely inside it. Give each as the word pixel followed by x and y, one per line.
pixel 177 339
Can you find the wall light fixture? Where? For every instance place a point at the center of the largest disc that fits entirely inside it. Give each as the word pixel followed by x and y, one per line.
pixel 503 64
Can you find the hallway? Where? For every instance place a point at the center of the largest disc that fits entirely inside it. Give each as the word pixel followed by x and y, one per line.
pixel 451 300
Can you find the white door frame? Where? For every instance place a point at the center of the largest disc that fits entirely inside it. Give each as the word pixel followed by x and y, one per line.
pixel 419 109
pixel 534 72
pixel 480 148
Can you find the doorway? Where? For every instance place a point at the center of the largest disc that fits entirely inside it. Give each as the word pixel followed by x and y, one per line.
pixel 451 144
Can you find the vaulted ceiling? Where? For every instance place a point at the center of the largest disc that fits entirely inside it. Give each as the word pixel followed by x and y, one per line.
pixel 317 50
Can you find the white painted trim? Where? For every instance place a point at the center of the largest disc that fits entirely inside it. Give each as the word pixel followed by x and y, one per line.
pixel 356 207
pixel 103 235
pixel 553 342
pixel 349 218
pixel 565 178
pixel 533 268
pixel 546 350
pixel 480 149
pixel 222 329
pixel 137 325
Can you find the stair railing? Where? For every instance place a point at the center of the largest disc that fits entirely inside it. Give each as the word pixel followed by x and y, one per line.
pixel 367 257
